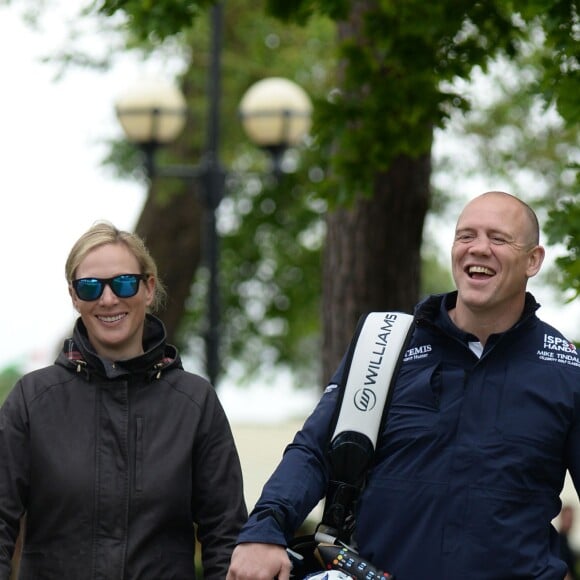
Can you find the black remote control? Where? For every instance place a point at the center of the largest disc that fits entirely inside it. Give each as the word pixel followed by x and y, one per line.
pixel 342 558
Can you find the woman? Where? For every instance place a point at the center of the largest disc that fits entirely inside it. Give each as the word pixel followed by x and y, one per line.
pixel 116 455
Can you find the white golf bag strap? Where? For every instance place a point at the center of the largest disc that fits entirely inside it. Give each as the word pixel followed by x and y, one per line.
pixel 375 360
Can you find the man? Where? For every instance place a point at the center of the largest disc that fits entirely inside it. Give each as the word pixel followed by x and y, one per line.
pixel 483 423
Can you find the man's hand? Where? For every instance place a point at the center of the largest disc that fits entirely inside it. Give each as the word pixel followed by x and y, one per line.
pixel 254 561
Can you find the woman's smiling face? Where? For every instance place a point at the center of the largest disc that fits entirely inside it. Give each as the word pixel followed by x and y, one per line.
pixel 114 325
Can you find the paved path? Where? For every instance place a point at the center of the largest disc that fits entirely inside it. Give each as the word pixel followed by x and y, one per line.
pixel 261 447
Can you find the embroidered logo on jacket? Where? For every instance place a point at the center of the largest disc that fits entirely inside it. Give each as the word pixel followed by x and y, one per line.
pixel 560 350
pixel 417 352
pixel 559 344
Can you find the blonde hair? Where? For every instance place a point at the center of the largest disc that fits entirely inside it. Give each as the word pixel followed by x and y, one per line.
pixel 102 233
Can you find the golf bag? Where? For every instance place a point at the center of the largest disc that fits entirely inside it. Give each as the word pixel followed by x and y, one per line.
pixel 372 362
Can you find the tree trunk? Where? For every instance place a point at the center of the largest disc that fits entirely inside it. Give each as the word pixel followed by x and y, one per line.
pixel 171 227
pixel 372 257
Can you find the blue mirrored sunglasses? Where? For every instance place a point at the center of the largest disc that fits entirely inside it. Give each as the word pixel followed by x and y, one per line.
pixel 124 286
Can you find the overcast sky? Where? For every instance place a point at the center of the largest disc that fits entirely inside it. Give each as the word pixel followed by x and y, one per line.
pixel 52 185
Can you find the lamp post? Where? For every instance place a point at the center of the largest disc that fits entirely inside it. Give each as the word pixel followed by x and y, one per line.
pixel 275 114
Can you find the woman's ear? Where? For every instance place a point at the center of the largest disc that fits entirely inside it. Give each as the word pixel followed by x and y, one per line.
pixel 150 289
pixel 73 298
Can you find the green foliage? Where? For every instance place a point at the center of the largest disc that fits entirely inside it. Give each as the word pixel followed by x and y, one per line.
pixel 564 227
pixel 396 85
pixel 270 264
pixel 301 10
pixel 151 20
pixel 8 377
pixel 435 275
pixel 512 138
pixel 397 62
pixel 560 28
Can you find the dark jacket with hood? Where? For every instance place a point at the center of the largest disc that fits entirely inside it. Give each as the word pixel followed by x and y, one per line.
pixel 470 464
pixel 117 464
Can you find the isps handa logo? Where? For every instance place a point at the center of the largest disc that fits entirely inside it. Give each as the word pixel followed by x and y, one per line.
pixel 558 344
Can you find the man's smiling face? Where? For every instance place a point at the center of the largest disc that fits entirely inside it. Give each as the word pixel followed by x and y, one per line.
pixel 493 254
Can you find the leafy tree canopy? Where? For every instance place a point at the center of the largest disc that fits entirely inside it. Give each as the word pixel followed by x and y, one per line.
pixel 399 79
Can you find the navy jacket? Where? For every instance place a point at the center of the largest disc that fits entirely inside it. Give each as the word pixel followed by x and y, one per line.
pixel 470 464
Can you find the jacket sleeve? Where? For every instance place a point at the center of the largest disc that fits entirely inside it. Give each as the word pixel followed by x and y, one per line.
pixel 218 497
pixel 14 472
pixel 298 483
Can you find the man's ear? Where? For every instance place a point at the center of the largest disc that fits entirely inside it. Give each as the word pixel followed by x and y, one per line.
pixel 535 259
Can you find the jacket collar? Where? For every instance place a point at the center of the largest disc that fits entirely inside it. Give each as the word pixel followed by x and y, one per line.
pixel 435 310
pixel 157 357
